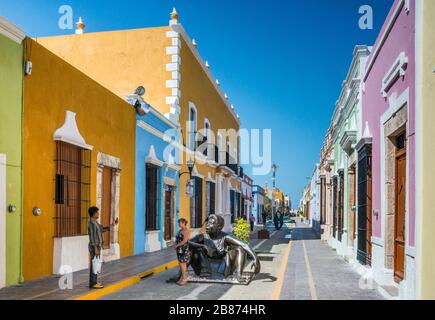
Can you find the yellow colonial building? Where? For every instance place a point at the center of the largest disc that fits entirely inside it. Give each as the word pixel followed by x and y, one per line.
pixel 79 151
pixel 425 153
pixel 179 84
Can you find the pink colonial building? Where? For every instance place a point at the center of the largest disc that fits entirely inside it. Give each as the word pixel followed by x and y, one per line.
pixel 386 174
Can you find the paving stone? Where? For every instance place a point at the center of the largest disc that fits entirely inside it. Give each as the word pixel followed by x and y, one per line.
pixel 333 278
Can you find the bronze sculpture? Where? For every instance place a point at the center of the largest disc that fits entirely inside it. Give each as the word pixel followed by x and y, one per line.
pixel 220 257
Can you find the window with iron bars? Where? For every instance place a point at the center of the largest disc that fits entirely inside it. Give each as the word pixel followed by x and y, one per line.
pixel 72 190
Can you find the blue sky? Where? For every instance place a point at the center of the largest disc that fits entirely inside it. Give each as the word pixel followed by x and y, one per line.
pixel 281 62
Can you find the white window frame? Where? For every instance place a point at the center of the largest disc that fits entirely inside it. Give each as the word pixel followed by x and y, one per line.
pixel 207 133
pixel 219 144
pixel 191 136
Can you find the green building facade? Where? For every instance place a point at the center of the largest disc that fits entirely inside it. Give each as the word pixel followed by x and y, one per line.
pixel 11 111
pixel 347 130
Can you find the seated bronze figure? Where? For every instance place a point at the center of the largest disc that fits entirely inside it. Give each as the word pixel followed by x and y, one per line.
pixel 220 257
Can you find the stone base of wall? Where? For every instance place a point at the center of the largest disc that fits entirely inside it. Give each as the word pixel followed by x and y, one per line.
pixel 383 276
pixel 407 286
pixel 152 241
pixel 114 253
pixel 70 254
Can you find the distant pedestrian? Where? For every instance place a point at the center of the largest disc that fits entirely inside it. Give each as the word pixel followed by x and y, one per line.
pixel 252 221
pixel 95 231
pixel 264 216
pixel 183 251
pixel 281 221
pixel 276 221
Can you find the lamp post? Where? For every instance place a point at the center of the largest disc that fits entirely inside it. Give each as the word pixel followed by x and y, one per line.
pixel 274 169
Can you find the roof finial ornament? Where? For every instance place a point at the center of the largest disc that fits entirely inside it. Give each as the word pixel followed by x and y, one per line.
pixel 174 17
pixel 80 26
pixel 367 133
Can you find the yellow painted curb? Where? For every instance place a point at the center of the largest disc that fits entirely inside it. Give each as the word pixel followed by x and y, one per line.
pixel 94 295
pixel 278 287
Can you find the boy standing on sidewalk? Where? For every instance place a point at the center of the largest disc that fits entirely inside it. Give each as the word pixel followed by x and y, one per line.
pixel 95 231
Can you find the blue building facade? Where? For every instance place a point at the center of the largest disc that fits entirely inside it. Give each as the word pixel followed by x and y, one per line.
pixel 157 182
pixel 258 207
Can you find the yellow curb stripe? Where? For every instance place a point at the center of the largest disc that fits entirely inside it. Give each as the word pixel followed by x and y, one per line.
pixel 94 295
pixel 311 285
pixel 280 281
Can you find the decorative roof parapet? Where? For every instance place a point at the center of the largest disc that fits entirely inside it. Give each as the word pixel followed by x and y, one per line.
pixel 178 28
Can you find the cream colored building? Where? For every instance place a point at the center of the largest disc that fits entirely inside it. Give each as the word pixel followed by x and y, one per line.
pixel 425 153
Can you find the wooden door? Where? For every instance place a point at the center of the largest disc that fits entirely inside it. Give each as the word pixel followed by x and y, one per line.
pixel 106 204
pixel 399 228
pixel 168 215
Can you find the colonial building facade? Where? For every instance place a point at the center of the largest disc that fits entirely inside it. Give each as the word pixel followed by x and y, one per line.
pixel 11 97
pixel 425 149
pixel 380 214
pixel 180 85
pixel 345 134
pixel 389 111
pixel 326 166
pixel 79 147
pixel 157 176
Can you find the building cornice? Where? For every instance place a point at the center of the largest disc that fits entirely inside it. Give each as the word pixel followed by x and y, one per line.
pixel 380 43
pixel 11 31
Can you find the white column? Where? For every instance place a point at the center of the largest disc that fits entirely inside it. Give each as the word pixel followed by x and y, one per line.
pixel 218 194
pixel 227 206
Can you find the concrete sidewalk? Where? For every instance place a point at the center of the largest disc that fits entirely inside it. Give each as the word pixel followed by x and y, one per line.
pixel 113 272
pixel 315 272
pixel 116 275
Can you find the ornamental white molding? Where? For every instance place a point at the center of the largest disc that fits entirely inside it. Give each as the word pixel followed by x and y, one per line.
pixel 150 129
pixel 70 133
pixel 210 178
pixel 383 38
pixel 397 70
pixel 173 68
pixel 11 31
pixel 195 173
pixel 152 158
pixel 170 182
pixel 365 139
pixel 348 140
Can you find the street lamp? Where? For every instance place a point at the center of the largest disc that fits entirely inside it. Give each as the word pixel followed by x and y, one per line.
pixel 190 165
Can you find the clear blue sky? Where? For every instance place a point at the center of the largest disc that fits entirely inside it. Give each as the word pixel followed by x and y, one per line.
pixel 281 62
